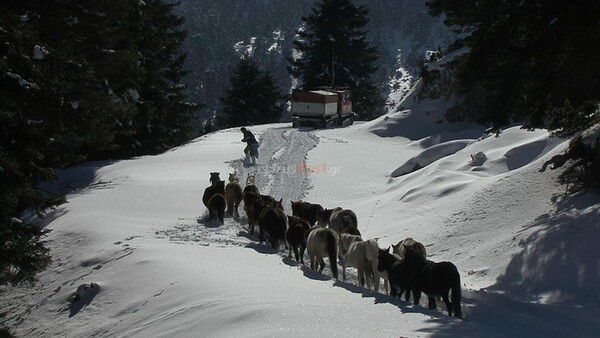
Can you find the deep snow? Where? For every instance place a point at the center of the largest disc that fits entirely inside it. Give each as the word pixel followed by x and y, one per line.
pixel 137 229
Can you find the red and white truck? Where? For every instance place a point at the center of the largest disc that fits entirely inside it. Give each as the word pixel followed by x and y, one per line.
pixel 324 108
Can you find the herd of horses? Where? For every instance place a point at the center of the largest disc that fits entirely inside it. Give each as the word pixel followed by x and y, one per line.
pixel 333 234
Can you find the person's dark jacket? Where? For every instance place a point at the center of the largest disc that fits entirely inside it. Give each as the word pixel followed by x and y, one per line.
pixel 249 137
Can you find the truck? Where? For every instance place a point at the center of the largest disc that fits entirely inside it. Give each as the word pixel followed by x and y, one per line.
pixel 322 108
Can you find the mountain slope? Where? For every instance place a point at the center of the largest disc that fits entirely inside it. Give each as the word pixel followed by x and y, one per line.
pixel 135 244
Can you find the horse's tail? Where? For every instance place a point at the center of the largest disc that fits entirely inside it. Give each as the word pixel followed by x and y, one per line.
pixel 229 198
pixel 332 250
pixel 456 294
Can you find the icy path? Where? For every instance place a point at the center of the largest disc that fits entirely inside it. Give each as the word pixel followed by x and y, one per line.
pixel 280 170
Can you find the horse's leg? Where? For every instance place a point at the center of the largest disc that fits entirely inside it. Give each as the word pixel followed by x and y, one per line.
pixel 376 278
pixel 344 270
pixel 361 276
pixel 416 296
pixel 322 264
pixel 302 248
pixel 386 285
pixel 407 295
pixel 448 304
pixel 312 262
pixel 402 292
pixel 393 291
pixel 432 303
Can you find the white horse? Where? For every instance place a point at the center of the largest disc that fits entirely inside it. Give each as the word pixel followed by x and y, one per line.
pixel 346 241
pixel 323 242
pixel 363 255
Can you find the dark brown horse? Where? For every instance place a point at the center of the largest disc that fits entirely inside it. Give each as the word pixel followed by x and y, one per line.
pixel 296 237
pixel 306 211
pixel 273 224
pixel 399 274
pixel 323 217
pixel 216 186
pixel 435 280
pixel 216 207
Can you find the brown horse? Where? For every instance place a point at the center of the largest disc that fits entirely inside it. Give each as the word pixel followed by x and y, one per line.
pixel 247 199
pixel 253 204
pixel 233 195
pixel 306 211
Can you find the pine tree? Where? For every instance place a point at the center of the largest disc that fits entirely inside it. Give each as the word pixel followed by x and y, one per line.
pixel 73 77
pixel 525 58
pixel 252 97
pixel 335 52
pixel 164 117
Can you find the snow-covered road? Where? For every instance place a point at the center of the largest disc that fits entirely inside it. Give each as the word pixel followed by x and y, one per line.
pixel 281 170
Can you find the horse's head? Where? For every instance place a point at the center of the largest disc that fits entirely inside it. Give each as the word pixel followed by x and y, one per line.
pixel 214 177
pixel 233 178
pixel 384 260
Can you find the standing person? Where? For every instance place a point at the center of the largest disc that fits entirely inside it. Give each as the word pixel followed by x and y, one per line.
pixel 251 149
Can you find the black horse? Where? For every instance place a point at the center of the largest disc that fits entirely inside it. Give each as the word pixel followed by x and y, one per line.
pixel 296 237
pixel 435 280
pixel 399 274
pixel 273 223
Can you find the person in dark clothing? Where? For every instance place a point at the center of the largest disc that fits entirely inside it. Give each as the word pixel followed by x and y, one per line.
pixel 251 149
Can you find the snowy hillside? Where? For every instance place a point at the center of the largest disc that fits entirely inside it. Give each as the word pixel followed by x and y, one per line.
pixel 134 255
pixel 220 32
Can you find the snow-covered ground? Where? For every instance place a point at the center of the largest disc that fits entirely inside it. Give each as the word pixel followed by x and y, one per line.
pixel 527 253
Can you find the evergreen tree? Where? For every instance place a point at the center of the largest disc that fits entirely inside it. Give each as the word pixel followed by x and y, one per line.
pixel 335 52
pixel 164 117
pixel 252 97
pixel 526 59
pixel 74 79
